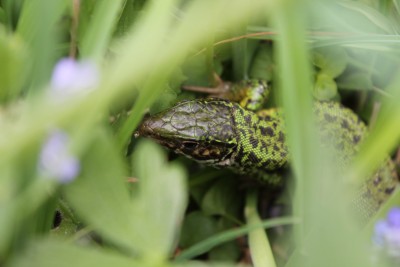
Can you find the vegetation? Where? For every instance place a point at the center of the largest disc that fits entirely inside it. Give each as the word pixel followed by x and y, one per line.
pixel 76 187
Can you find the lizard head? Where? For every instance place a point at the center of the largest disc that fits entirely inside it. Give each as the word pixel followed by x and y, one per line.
pixel 201 129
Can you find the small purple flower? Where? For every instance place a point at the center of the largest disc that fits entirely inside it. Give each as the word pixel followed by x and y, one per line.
pixel 393 217
pixel 387 233
pixel 55 160
pixel 71 77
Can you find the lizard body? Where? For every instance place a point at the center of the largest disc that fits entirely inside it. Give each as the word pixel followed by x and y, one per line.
pixel 222 133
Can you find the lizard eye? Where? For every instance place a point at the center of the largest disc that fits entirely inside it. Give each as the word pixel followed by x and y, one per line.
pixel 189 144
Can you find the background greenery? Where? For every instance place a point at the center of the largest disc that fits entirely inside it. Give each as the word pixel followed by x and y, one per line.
pixel 179 213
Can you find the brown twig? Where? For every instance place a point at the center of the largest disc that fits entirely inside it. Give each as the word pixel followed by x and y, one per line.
pixel 74 27
pixel 220 88
pixel 132 180
pixel 257 34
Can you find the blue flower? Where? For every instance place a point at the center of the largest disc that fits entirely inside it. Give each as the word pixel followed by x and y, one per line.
pixel 387 233
pixel 55 160
pixel 72 77
pixel 393 217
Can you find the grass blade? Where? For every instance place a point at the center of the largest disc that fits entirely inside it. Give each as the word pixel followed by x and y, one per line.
pixel 226 236
pixel 95 39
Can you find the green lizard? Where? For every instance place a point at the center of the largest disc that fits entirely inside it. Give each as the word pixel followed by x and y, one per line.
pixel 223 133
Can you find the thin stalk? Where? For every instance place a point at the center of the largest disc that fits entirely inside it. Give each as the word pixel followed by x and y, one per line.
pixel 260 249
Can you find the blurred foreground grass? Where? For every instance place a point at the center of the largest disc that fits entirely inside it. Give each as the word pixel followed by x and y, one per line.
pixel 134 56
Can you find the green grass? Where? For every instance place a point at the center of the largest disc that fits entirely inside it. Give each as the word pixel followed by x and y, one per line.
pixel 145 51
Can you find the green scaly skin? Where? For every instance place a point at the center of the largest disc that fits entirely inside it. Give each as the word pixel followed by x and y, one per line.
pixel 221 133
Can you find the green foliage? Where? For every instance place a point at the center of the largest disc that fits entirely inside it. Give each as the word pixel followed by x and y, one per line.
pixel 325 87
pixel 196 227
pixel 197 71
pixel 221 198
pixel 357 81
pixel 57 253
pixel 263 64
pixel 14 66
pixel 117 219
pixel 38 30
pixel 330 60
pixel 101 17
pixel 130 204
pixel 2 16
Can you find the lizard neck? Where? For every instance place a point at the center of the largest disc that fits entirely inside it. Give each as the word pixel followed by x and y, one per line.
pixel 261 142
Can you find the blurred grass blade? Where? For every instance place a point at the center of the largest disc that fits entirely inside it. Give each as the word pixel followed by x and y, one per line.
pixel 2 16
pixel 50 253
pixel 13 68
pixel 37 27
pixel 95 38
pixel 374 16
pixel 383 138
pixel 230 235
pixel 260 249
pixel 295 92
pixel 396 3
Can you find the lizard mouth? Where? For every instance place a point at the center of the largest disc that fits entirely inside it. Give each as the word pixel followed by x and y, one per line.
pixel 154 128
pixel 163 133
